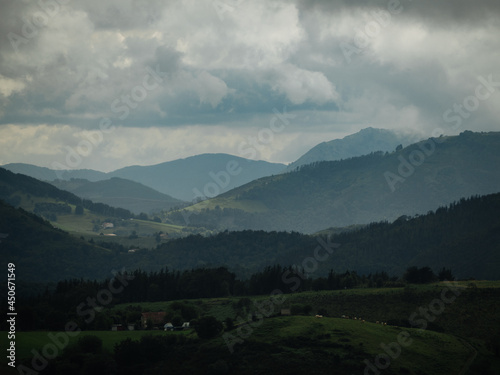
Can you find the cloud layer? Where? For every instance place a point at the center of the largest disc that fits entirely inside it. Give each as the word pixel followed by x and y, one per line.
pixel 184 77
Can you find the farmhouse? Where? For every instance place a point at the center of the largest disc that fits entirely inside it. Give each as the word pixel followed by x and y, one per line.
pixel 156 319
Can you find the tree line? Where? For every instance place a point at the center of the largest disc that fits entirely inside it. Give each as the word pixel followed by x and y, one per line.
pixel 69 299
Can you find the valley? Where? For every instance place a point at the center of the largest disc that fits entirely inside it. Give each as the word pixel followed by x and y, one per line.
pixel 324 266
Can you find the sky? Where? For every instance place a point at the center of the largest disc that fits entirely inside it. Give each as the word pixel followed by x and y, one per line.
pixel 110 83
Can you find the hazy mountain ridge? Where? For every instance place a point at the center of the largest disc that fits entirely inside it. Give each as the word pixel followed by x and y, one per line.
pixel 119 192
pixel 180 179
pixel 359 190
pixel 183 177
pixel 361 143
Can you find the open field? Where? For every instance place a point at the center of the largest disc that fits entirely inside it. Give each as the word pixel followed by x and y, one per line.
pixel 299 340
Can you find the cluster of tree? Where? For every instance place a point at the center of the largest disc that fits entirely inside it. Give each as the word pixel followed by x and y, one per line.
pixel 424 275
pixel 290 279
pixel 87 356
pixel 51 210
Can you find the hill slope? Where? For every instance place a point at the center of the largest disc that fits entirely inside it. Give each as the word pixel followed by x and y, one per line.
pixel 42 253
pixel 119 192
pixel 364 142
pixel 464 237
pixel 47 174
pixel 60 207
pixel 358 190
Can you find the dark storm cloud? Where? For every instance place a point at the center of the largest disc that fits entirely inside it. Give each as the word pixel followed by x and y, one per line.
pixel 88 60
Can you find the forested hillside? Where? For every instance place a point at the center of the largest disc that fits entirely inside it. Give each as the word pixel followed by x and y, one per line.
pixel 463 237
pixel 376 187
pixel 15 187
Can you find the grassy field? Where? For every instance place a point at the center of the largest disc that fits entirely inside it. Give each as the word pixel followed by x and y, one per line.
pixel 352 301
pixel 428 353
pixel 299 340
pixel 83 225
pixel 221 202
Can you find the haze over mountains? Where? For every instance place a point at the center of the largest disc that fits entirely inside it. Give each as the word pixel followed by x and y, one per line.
pixel 201 176
pixel 179 178
pixel 194 177
pixel 249 194
pixel 119 192
pixel 361 143
pixel 413 180
pixel 371 188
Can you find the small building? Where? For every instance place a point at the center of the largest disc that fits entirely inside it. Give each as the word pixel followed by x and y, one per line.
pixel 156 318
pixel 286 312
pixel 117 327
pixel 107 225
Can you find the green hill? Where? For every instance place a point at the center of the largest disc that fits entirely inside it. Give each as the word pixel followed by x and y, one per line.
pixel 300 345
pixel 42 253
pixel 358 190
pixel 464 237
pixel 60 207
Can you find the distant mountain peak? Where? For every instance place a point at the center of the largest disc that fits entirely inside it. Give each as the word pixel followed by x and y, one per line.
pixel 364 142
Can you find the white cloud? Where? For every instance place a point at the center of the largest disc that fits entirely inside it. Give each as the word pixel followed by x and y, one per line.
pixel 8 86
pixel 301 85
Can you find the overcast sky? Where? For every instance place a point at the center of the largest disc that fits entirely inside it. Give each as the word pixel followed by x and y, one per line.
pixel 107 83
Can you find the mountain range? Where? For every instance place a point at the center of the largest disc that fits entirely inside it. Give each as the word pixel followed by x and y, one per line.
pixel 204 176
pixel 360 190
pixel 195 177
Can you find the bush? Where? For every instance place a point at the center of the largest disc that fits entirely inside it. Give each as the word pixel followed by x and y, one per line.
pixel 229 324
pixel 208 327
pixel 90 344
